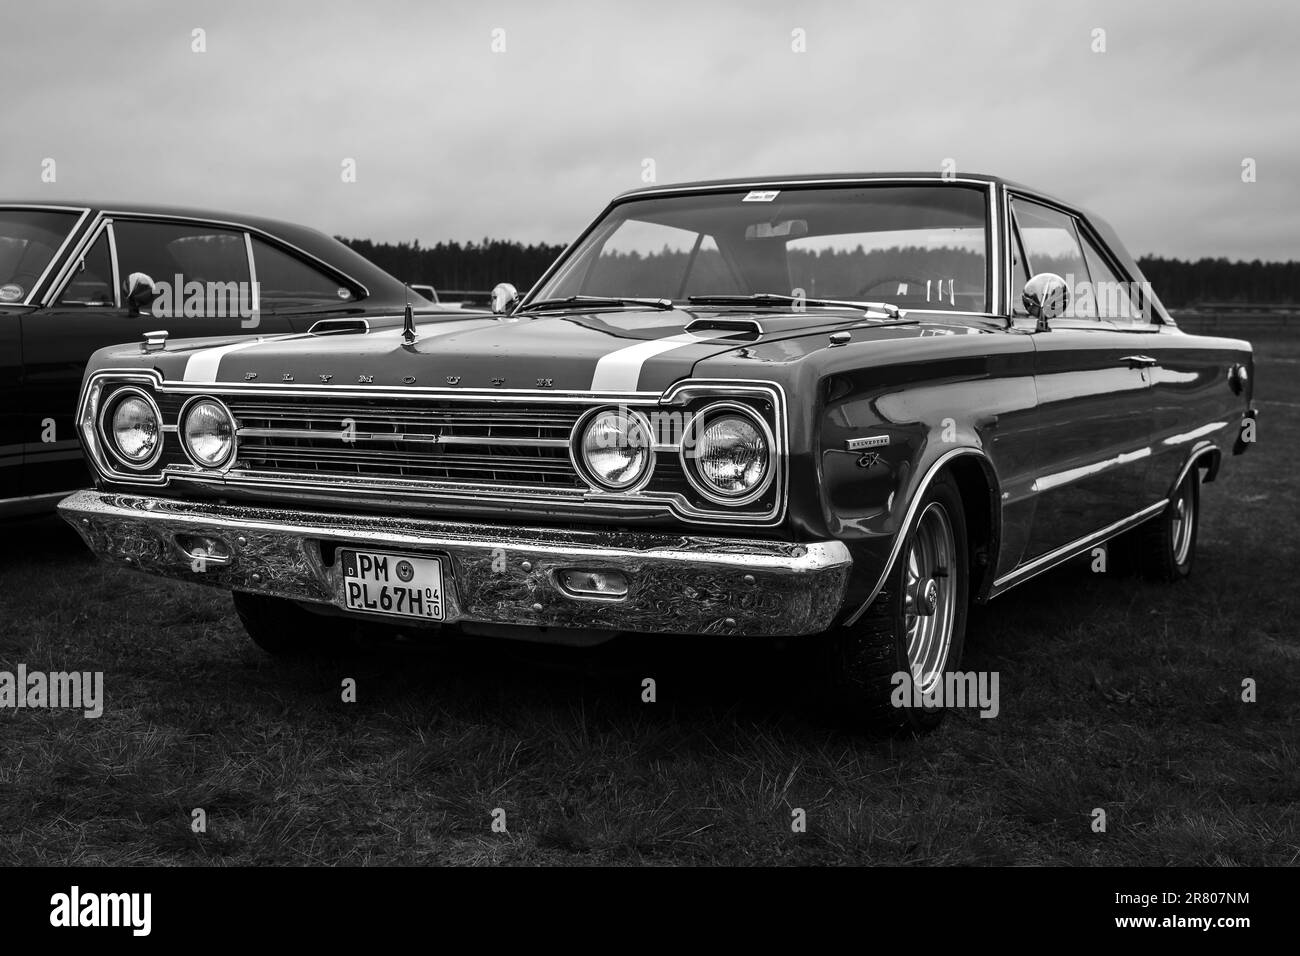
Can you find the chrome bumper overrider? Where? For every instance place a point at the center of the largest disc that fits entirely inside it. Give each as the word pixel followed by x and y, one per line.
pixel 495 574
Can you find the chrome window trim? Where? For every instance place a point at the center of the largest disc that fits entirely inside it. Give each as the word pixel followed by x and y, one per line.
pixel 668 504
pixel 80 211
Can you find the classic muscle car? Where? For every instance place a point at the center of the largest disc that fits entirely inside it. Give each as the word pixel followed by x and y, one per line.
pixel 836 407
pixel 75 277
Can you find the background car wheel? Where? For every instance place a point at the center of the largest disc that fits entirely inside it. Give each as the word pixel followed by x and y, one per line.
pixel 283 629
pixel 917 624
pixel 1167 545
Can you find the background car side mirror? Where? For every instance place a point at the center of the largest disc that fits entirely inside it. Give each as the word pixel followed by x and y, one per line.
pixel 139 293
pixel 1046 297
pixel 504 298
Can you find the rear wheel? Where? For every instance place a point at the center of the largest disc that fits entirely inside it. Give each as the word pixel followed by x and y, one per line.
pixel 283 629
pixel 1166 546
pixel 913 633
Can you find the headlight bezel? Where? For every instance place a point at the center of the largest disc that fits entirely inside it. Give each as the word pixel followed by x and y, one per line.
pixel 689 457
pixel 182 435
pixel 577 453
pixel 108 438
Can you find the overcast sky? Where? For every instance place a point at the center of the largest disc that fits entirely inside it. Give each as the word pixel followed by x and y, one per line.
pixel 452 140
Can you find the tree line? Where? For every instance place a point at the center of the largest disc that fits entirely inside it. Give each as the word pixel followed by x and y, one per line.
pixel 478 266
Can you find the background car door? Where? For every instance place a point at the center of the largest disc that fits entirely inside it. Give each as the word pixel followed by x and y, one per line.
pixel 11 432
pixel 1094 412
pixel 87 312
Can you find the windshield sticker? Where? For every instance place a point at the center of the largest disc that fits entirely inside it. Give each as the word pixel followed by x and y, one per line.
pixel 761 195
pixel 11 292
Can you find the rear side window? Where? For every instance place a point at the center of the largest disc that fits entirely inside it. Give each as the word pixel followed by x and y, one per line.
pixel 1116 298
pixel 284 281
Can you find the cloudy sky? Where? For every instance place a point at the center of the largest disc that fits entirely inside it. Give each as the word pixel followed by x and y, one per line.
pixel 453 140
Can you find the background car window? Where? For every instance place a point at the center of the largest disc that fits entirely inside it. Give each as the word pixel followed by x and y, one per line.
pixel 284 281
pixel 28 240
pixel 194 252
pixel 1110 291
pixel 92 283
pixel 1052 245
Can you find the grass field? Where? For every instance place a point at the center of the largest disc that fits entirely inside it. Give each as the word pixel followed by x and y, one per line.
pixel 1115 694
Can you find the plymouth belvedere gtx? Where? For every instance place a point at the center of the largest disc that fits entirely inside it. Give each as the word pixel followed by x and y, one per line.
pixel 75 277
pixel 838 408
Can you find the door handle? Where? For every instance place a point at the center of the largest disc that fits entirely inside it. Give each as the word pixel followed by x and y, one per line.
pixel 1139 361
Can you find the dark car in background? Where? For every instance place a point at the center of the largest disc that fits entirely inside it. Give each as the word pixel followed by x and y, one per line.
pixel 75 277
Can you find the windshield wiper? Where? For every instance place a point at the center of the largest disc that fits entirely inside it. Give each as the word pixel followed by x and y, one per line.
pixel 597 301
pixel 776 298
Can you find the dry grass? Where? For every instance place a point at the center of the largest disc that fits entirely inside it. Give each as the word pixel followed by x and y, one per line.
pixel 1115 694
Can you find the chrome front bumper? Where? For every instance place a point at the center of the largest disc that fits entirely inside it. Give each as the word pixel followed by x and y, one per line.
pixel 495 574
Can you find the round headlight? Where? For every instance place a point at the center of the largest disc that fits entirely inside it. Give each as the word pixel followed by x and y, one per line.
pixel 135 429
pixel 209 433
pixel 616 448
pixel 732 455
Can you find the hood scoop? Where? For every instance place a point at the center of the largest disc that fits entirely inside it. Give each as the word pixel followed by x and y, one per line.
pixel 340 327
pixel 750 326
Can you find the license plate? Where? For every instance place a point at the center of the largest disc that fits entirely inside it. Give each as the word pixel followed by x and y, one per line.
pixel 399 585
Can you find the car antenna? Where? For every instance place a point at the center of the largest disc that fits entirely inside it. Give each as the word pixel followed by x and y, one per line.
pixel 408 320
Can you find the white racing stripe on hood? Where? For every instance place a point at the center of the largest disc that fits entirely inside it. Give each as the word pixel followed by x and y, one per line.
pixel 203 366
pixel 620 371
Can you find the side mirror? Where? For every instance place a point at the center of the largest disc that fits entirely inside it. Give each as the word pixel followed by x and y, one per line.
pixel 504 298
pixel 1046 297
pixel 138 291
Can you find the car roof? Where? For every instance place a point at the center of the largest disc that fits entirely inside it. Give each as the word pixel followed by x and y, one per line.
pixel 932 175
pixel 309 240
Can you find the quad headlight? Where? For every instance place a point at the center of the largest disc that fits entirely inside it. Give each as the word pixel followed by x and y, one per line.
pixel 728 455
pixel 132 426
pixel 615 449
pixel 208 433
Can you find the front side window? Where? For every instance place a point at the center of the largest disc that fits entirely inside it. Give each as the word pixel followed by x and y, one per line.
pixel 92 282
pixel 1051 244
pixel 29 239
pixel 919 247
pixel 199 271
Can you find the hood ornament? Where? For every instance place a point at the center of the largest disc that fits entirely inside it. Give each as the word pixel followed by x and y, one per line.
pixel 408 321
pixel 154 341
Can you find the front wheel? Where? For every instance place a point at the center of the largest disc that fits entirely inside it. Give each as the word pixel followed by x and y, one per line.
pixel 888 670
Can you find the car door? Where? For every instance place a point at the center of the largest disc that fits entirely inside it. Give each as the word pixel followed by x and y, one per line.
pixel 203 275
pixel 1195 388
pixel 1094 411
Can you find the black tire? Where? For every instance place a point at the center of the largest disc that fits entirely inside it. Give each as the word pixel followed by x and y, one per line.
pixel 283 629
pixel 1166 546
pixel 863 660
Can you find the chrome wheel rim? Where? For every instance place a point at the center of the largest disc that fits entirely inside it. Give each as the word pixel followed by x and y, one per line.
pixel 1180 528
pixel 930 596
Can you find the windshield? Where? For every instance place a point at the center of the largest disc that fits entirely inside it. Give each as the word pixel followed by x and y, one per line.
pixel 918 247
pixel 28 240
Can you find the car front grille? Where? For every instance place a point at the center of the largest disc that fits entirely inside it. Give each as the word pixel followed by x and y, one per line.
pixel 464 443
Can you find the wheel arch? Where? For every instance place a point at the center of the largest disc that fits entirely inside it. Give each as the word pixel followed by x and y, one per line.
pixel 978 485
